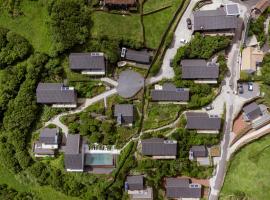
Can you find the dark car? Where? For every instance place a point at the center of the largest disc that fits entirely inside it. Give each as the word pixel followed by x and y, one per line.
pixel 189 23
pixel 240 89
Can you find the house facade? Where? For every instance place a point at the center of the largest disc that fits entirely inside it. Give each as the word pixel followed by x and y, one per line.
pixel 56 94
pixel 47 143
pixel 137 56
pixel 215 22
pixel 88 63
pixel 136 188
pixel 124 114
pixel 200 71
pixel 199 153
pixel 159 148
pixel 202 122
pixel 182 188
pixel 74 154
pixel 169 93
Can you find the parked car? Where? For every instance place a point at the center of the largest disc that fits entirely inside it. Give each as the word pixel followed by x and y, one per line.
pixel 250 86
pixel 240 89
pixel 209 107
pixel 189 23
pixel 183 41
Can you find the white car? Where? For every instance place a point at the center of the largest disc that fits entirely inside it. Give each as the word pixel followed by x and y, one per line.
pixel 183 41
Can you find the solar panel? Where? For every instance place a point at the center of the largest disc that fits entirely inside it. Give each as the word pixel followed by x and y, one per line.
pixel 232 9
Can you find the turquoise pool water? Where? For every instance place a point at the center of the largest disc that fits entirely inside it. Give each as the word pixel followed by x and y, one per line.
pixel 98 159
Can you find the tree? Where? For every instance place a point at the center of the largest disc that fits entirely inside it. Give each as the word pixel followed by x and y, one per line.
pixel 14 48
pixel 70 22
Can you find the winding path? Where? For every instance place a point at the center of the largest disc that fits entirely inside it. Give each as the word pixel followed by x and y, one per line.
pixel 56 120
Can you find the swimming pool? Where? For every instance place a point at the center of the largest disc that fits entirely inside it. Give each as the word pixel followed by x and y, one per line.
pixel 99 159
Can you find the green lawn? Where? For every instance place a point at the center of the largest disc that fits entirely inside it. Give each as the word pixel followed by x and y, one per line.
pixel 32 24
pixel 118 27
pixel 158 115
pixel 19 183
pixel 155 24
pixel 249 173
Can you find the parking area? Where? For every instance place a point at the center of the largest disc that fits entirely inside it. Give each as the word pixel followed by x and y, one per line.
pixel 249 94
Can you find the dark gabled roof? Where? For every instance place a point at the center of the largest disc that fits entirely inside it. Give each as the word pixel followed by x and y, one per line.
pixel 51 93
pixel 120 2
pixel 170 93
pixel 252 111
pixel 159 147
pixel 205 20
pixel 87 61
pixel 73 144
pixel 181 188
pixel 142 56
pixel 123 110
pixel 74 161
pixel 135 182
pixel 202 121
pixel 199 69
pixel 199 151
pixel 49 136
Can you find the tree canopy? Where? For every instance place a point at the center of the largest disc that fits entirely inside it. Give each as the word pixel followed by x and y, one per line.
pixel 70 22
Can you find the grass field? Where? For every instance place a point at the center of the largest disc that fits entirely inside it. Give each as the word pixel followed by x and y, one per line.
pixel 248 175
pixel 155 24
pixel 32 24
pixel 20 184
pixel 116 26
pixel 158 115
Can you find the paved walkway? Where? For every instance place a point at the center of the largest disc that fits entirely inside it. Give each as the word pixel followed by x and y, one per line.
pixel 109 81
pixel 181 32
pixel 56 120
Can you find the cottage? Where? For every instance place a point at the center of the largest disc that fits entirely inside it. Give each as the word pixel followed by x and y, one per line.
pixel 200 70
pixel 135 186
pixel 88 63
pixel 56 94
pixel 213 22
pixel 47 143
pixel 142 56
pixel 203 122
pixel 251 59
pixel 124 114
pixel 181 188
pixel 252 111
pixel 74 154
pixel 159 148
pixel 199 153
pixel 169 93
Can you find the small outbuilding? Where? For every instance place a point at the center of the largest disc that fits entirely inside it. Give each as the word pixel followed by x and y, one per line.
pixel 124 114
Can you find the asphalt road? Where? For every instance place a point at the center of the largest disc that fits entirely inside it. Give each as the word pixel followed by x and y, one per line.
pixel 233 64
